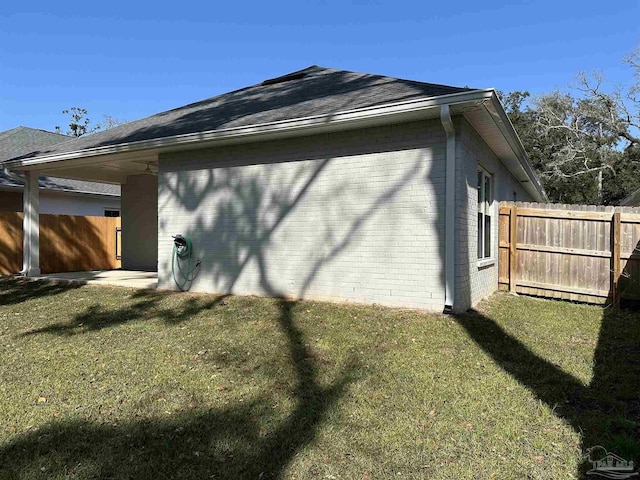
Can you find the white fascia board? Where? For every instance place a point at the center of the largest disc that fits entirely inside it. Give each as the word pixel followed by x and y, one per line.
pixel 346 119
pixel 45 190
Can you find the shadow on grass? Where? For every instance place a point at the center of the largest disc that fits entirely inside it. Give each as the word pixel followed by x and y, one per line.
pixel 15 290
pixel 226 442
pixel 146 307
pixel 605 412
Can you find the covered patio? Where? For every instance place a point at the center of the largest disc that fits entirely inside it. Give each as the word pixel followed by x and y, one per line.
pixel 137 175
pixel 117 278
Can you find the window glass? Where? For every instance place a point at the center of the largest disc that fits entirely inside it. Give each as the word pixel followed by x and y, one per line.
pixel 480 199
pixel 480 234
pixel 484 214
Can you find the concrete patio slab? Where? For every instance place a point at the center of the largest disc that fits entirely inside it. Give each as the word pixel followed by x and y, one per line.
pixel 119 278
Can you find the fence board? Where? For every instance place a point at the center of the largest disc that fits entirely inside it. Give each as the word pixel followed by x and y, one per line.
pixel 10 242
pixel 572 252
pixel 67 243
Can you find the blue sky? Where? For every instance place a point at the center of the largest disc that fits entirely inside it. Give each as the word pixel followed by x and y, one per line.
pixel 132 59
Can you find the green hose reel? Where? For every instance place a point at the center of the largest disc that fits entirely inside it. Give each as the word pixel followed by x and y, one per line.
pixel 182 253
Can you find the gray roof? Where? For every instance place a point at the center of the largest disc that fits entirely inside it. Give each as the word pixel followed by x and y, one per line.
pixel 24 140
pixel 631 200
pixel 308 92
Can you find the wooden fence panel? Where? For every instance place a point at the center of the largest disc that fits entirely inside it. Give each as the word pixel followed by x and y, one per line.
pixel 67 243
pixel 10 242
pixel 572 252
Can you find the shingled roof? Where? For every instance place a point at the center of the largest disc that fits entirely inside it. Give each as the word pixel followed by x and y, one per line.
pixel 308 92
pixel 24 140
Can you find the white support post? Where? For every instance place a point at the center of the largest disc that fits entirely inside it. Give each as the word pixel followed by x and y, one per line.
pixel 31 225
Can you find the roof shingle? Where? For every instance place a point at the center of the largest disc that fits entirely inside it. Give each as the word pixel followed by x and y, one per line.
pixel 24 140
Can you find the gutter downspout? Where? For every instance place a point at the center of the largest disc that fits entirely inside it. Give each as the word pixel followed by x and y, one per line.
pixel 450 209
pixel 12 176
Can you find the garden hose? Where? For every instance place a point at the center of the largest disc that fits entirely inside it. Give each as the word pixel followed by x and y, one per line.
pixel 182 252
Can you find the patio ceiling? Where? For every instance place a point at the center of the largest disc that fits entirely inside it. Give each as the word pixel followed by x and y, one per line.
pixel 104 168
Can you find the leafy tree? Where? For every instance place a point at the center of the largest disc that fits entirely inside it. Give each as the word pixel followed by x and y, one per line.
pixel 583 144
pixel 80 124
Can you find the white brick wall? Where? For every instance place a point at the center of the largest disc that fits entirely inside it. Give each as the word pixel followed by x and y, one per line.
pixel 353 216
pixel 356 216
pixel 474 282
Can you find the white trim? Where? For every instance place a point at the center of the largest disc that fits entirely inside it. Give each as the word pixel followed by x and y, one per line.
pixel 43 190
pixel 501 119
pixel 488 210
pixel 486 262
pixel 31 226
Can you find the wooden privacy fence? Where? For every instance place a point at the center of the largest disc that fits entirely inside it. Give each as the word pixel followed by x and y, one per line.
pixel 67 243
pixel 573 252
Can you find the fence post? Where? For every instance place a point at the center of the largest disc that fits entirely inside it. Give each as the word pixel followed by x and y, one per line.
pixel 513 237
pixel 615 260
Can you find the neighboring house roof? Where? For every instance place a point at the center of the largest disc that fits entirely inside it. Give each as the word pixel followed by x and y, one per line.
pixel 308 92
pixel 24 140
pixel 631 200
pixel 66 185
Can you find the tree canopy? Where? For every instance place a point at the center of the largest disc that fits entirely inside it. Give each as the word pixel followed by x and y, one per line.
pixel 80 124
pixel 584 143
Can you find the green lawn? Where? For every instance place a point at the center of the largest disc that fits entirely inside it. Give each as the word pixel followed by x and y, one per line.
pixel 114 383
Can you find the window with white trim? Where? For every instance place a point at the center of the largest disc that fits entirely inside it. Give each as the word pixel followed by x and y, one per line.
pixel 485 189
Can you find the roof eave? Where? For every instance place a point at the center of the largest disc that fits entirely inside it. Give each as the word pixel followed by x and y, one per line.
pixel 502 121
pixel 413 108
pixel 396 112
pixel 10 188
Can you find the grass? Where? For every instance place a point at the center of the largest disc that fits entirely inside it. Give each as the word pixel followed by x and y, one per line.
pixel 114 383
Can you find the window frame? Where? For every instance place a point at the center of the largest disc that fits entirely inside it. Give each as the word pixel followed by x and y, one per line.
pixel 485 208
